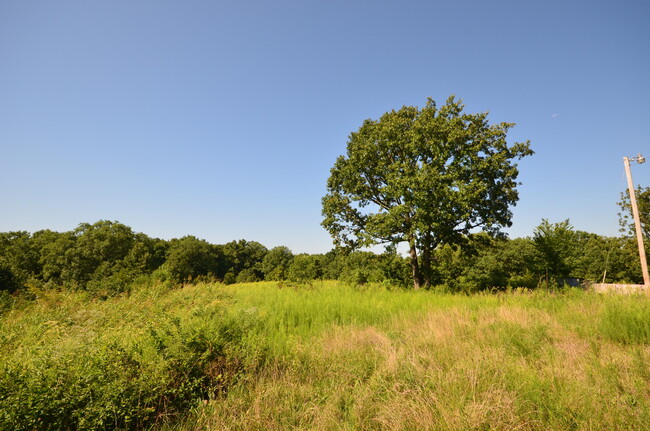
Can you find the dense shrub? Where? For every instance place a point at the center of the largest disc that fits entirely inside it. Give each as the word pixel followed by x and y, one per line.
pixel 305 267
pixel 8 281
pixel 104 258
pixel 120 379
pixel 275 264
pixel 249 275
pixel 190 257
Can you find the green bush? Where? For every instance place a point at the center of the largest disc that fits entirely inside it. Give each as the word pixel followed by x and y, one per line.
pixel 8 282
pixel 127 379
pixel 249 275
pixel 6 301
pixel 356 277
pixel 229 278
pixel 111 285
pixel 527 280
pixel 305 268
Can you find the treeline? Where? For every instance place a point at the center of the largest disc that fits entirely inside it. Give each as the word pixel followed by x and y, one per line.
pixel 107 257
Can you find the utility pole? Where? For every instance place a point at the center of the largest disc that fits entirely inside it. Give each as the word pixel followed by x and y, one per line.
pixel 635 212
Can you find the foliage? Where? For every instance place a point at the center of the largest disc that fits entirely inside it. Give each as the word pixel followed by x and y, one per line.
pixel 105 258
pixel 583 255
pixel 229 278
pixel 91 251
pixel 242 254
pixel 425 177
pixel 93 366
pixel 190 257
pixel 361 267
pixel 556 242
pixel 483 263
pixel 8 282
pixel 18 254
pixel 626 220
pixel 276 263
pixel 603 259
pixel 502 263
pixel 305 267
pixel 249 275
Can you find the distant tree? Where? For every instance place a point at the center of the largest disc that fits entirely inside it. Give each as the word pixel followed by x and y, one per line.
pixel 483 262
pixel 333 263
pixel 358 267
pixel 18 254
pixel 632 264
pixel 190 257
pixel 42 242
pixel 104 241
pixel 557 243
pixel 229 278
pixel 89 251
pixel 604 258
pixel 146 254
pixel 249 275
pixel 305 267
pixel 242 254
pixel 504 262
pixel 394 269
pixel 361 267
pixel 275 264
pixel 425 177
pixel 56 255
pixel 8 281
pixel 625 218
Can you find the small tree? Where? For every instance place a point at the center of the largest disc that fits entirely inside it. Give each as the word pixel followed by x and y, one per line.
pixel 625 219
pixel 556 243
pixel 190 257
pixel 305 267
pixel 275 264
pixel 425 177
pixel 242 254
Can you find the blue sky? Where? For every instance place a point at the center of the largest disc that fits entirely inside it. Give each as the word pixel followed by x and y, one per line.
pixel 222 119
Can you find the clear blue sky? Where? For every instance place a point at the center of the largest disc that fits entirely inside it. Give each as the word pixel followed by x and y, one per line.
pixel 221 119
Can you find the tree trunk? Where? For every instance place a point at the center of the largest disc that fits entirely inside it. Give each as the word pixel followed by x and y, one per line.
pixel 417 277
pixel 426 260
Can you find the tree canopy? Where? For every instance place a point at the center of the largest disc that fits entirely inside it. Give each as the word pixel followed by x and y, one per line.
pixel 626 220
pixel 425 177
pixel 556 241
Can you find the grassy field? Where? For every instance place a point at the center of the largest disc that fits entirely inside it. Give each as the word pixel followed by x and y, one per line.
pixel 327 356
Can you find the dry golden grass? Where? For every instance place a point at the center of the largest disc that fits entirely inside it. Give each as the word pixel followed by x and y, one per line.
pixel 432 375
pixel 499 367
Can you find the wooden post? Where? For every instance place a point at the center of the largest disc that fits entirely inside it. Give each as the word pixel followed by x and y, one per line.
pixel 637 223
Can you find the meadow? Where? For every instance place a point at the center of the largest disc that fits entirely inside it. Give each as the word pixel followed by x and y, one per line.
pixel 324 356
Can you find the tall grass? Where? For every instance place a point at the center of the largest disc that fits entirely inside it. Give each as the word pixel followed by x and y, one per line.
pixel 324 356
pixel 408 360
pixel 69 362
pixel 291 314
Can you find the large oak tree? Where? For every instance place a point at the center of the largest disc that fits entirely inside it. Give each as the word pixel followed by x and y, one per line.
pixel 425 177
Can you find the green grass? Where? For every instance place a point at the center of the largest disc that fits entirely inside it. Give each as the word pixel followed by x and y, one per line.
pixel 325 356
pixel 294 314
